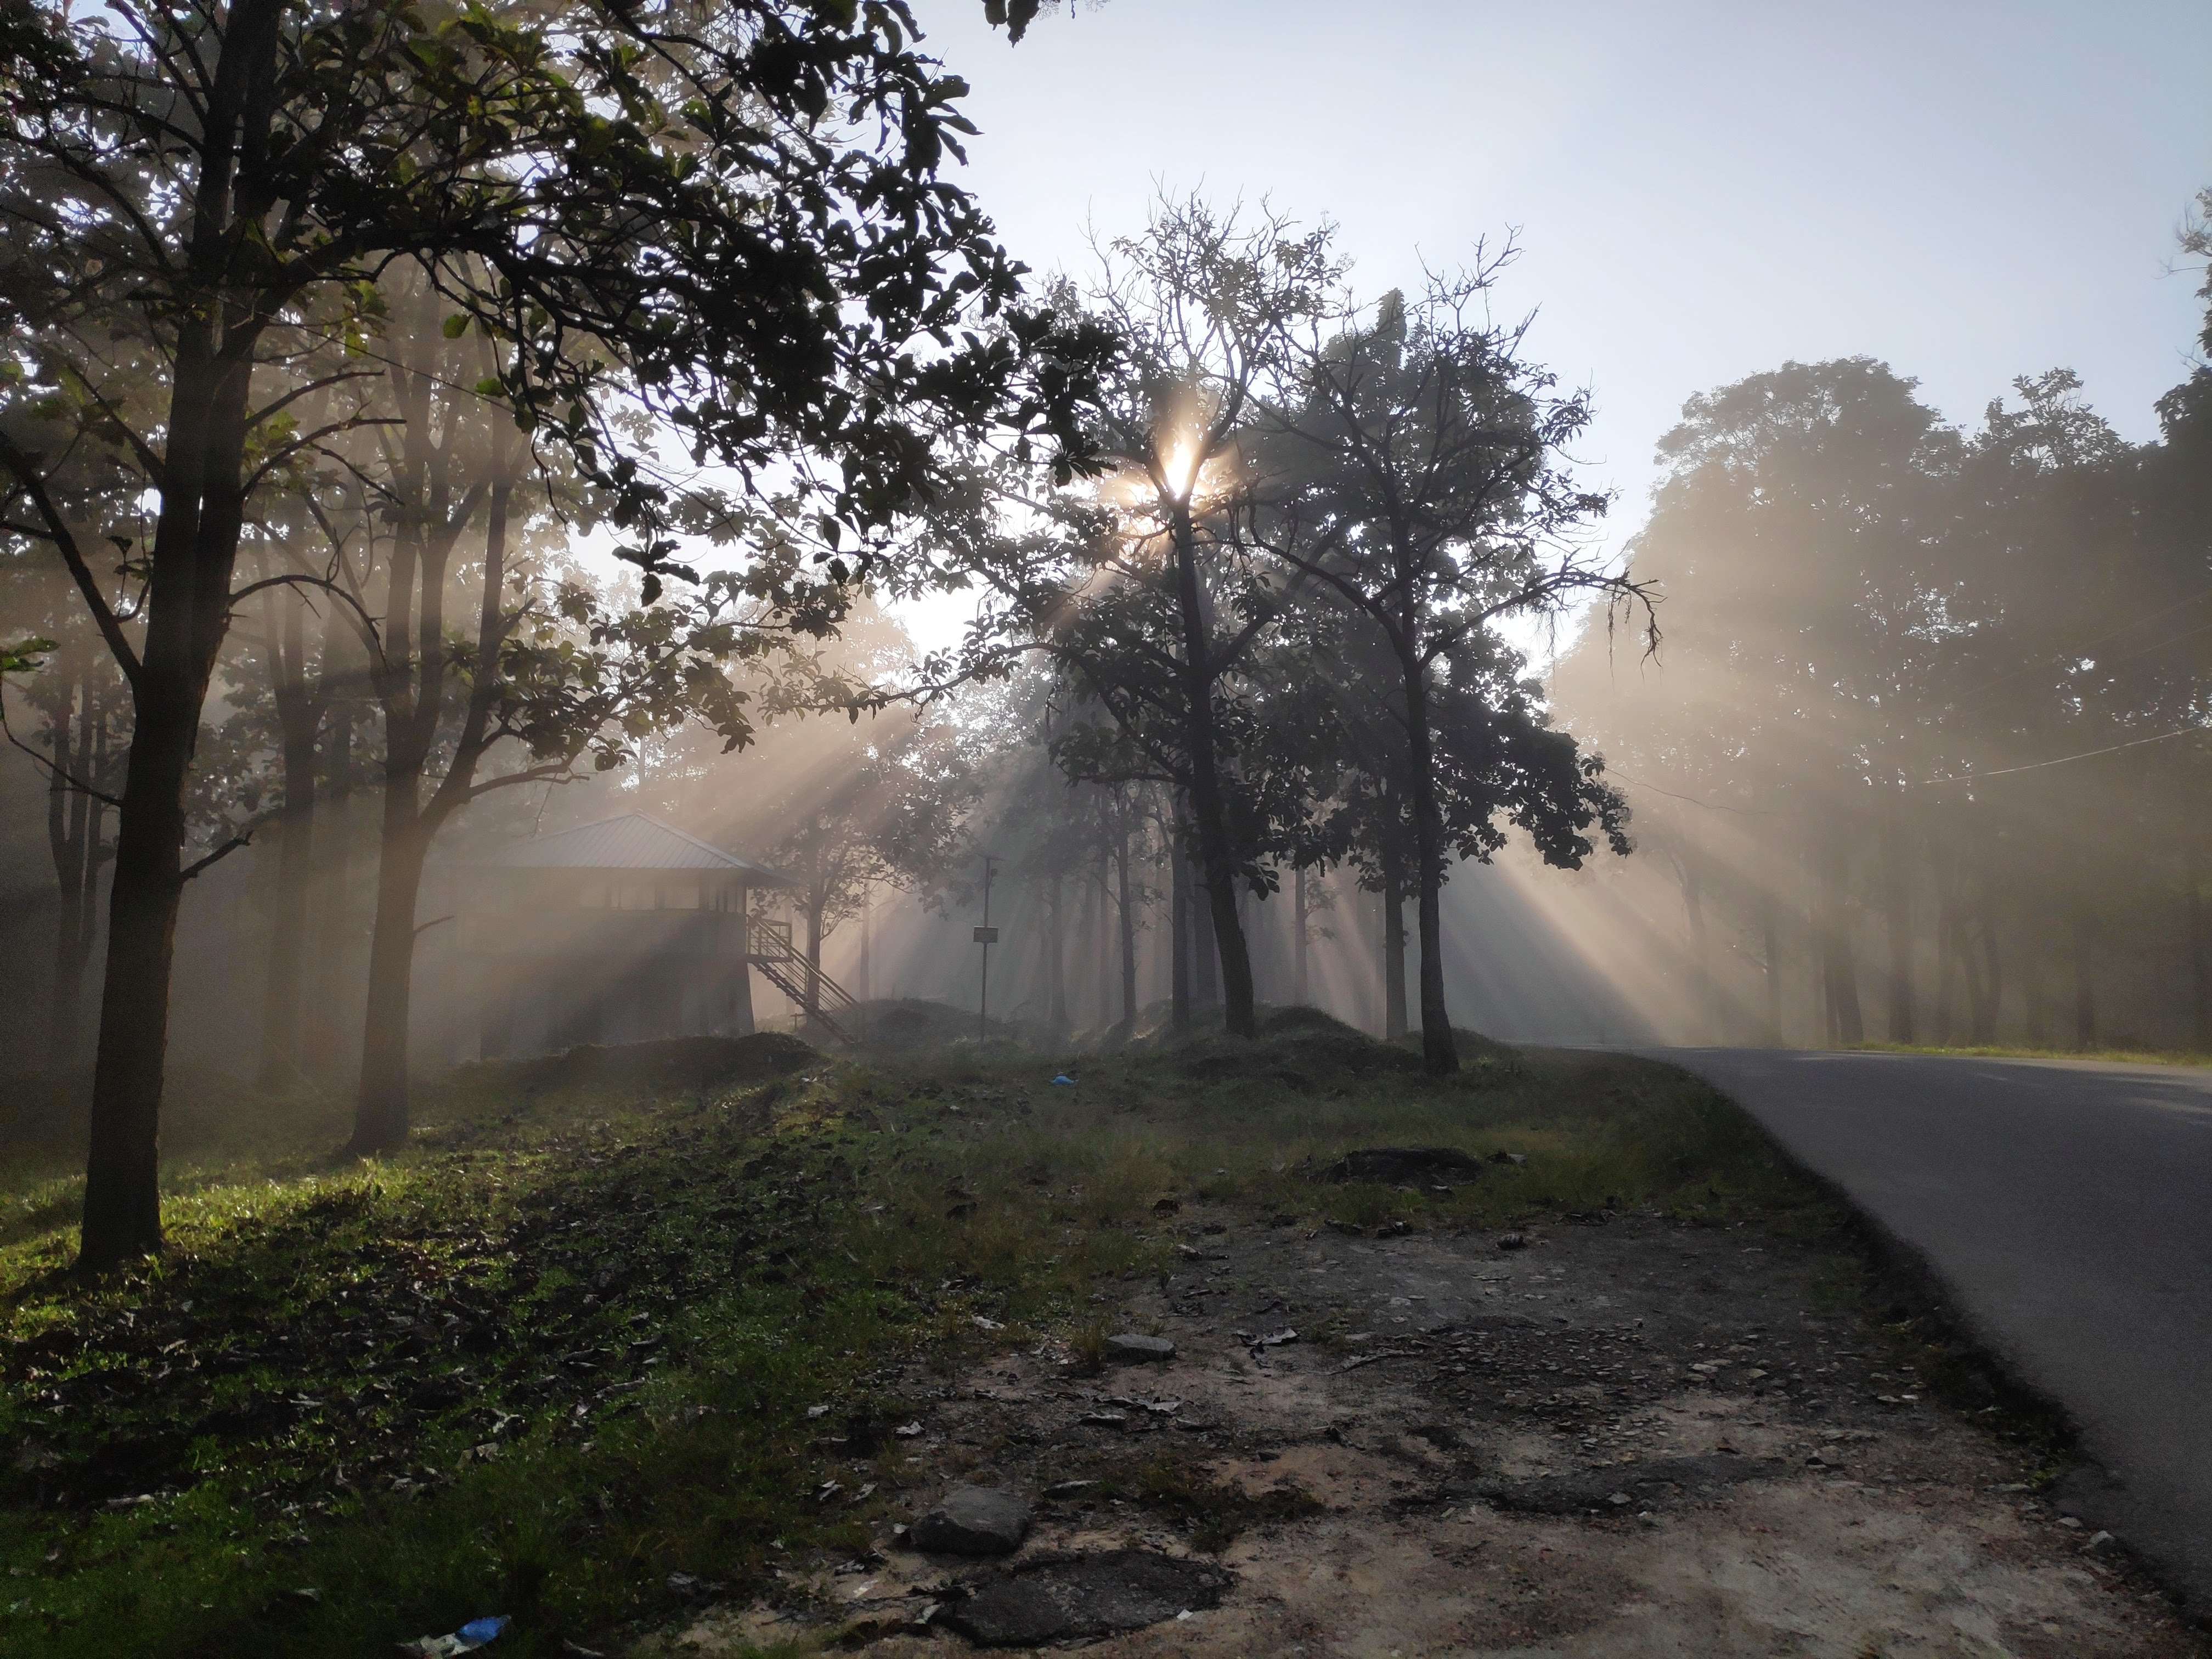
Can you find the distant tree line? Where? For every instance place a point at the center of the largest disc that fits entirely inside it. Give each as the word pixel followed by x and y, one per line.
pixel 1928 748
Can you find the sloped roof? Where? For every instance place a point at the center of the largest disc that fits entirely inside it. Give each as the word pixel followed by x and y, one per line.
pixel 632 841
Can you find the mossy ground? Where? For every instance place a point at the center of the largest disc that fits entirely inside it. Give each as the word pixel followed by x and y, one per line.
pixel 602 1326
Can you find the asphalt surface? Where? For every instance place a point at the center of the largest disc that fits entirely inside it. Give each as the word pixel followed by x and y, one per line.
pixel 2068 1205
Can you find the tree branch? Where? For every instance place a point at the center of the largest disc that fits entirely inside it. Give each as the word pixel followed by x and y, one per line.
pixel 59 532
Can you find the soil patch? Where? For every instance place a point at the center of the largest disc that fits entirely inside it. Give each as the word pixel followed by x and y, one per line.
pixel 1632 1437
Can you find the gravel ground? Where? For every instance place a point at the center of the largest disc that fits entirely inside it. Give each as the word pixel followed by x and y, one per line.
pixel 1619 1437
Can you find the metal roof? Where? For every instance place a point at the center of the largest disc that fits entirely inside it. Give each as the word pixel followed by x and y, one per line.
pixel 632 841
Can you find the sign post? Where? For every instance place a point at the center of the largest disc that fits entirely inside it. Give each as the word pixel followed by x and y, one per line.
pixel 986 936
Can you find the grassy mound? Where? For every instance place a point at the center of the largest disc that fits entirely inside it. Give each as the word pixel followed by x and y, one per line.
pixel 667 1067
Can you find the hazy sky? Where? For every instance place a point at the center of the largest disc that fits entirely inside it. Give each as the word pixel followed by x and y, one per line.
pixel 1970 192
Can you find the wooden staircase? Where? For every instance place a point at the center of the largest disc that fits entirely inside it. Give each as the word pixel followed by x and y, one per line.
pixel 787 968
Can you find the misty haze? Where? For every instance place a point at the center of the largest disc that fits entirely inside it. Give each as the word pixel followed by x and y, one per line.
pixel 910 825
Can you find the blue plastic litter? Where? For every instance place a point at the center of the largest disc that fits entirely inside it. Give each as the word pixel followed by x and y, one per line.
pixel 467 1639
pixel 1063 1077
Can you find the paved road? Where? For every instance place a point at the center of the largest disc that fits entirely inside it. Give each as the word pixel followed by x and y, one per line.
pixel 2069 1204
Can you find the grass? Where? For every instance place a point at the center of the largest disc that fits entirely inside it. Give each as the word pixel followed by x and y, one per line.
pixel 2014 1051
pixel 608 1322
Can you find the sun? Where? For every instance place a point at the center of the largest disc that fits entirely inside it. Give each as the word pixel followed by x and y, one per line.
pixel 1179 468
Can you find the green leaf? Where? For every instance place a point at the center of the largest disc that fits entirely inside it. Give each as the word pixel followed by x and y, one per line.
pixel 457 325
pixel 490 386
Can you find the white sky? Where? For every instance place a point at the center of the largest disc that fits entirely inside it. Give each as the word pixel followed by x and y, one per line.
pixel 1968 190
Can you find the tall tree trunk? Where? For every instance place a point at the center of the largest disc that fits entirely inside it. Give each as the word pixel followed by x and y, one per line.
pixel 1055 966
pixel 1991 1005
pixel 324 1022
pixel 1693 911
pixel 188 613
pixel 1439 1051
pixel 1838 962
pixel 298 720
pixel 1129 923
pixel 380 1114
pixel 1946 960
pixel 2030 997
pixel 2085 982
pixel 1394 950
pixel 1897 873
pixel 1180 907
pixel 74 820
pixel 1769 945
pixel 1204 957
pixel 1301 981
pixel 1103 961
pixel 810 1002
pixel 1209 802
pixel 2200 940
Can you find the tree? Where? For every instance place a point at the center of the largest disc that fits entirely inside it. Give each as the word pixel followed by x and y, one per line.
pixel 1418 478
pixel 663 207
pixel 1202 306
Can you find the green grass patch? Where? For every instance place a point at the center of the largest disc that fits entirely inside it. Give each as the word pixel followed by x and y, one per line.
pixel 612 1319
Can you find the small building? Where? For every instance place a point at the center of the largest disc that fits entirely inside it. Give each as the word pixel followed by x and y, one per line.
pixel 620 931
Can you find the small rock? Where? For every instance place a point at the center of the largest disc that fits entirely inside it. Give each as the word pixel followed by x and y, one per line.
pixel 2070 1520
pixel 1075 1598
pixel 1069 1488
pixel 1512 1241
pixel 974 1521
pixel 1131 1346
pixel 2098 1540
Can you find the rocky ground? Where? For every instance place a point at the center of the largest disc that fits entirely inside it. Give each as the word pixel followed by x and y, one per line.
pixel 1621 1437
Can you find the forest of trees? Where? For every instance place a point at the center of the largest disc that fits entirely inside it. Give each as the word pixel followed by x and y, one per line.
pixel 407 417
pixel 362 338
pixel 1924 754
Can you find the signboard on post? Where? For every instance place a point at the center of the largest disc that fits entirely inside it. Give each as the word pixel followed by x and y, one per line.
pixel 987 936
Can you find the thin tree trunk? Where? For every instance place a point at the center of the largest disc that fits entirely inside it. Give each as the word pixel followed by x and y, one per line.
pixel 1769 945
pixel 1180 908
pixel 1394 950
pixel 1439 1051
pixel 1991 1005
pixel 74 819
pixel 298 719
pixel 1056 957
pixel 2084 985
pixel 1693 911
pixel 1301 981
pixel 2200 941
pixel 324 1048
pixel 380 1114
pixel 1898 891
pixel 1839 967
pixel 1209 802
pixel 1204 957
pixel 1947 961
pixel 1129 923
pixel 811 1001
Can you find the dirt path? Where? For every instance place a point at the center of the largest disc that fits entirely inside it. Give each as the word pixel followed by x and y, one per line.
pixel 1621 1439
